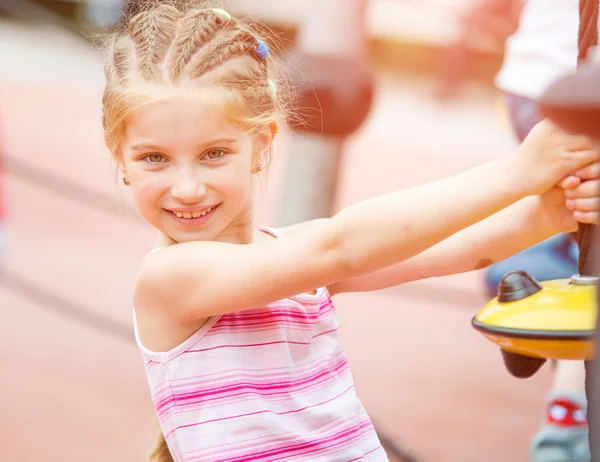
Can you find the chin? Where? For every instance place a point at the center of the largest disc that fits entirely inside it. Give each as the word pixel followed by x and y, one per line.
pixel 191 236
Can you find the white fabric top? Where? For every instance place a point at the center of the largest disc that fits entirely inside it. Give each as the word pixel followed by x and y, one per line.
pixel 543 48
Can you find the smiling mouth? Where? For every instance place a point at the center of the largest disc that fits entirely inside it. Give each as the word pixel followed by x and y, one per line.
pixel 191 217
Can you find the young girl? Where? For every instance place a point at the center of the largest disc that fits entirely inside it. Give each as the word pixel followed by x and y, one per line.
pixel 236 326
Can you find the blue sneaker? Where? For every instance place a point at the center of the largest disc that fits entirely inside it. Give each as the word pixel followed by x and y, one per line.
pixel 554 258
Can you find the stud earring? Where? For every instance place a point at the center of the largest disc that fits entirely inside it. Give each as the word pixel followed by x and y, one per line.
pixel 126 181
pixel 259 167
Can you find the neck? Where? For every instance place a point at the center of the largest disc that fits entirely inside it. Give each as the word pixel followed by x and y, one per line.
pixel 240 231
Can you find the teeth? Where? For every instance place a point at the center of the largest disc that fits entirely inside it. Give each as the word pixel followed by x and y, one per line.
pixel 192 214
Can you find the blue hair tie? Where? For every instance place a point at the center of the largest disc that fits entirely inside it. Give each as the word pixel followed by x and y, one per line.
pixel 262 50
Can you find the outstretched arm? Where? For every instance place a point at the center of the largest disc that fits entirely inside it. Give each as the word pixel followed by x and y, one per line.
pixel 194 280
pixel 505 233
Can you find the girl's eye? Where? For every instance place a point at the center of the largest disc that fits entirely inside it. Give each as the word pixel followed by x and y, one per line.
pixel 215 154
pixel 154 158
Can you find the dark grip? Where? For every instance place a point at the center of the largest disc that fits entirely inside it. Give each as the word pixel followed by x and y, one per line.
pixel 589 263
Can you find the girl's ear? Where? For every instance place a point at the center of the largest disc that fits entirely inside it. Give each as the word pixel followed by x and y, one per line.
pixel 263 147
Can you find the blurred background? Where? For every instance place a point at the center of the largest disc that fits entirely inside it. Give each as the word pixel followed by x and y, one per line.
pixel 72 384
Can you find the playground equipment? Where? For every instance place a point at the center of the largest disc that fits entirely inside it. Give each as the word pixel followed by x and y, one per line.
pixel 532 322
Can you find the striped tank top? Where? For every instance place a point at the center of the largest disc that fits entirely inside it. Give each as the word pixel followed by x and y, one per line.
pixel 266 384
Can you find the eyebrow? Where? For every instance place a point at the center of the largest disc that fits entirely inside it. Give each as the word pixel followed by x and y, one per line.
pixel 155 147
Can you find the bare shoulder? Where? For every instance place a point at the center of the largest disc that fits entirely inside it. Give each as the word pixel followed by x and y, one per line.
pixel 159 328
pixel 194 280
pixel 162 264
pixel 170 261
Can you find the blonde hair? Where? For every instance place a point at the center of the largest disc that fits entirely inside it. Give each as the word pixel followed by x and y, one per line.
pixel 161 452
pixel 181 44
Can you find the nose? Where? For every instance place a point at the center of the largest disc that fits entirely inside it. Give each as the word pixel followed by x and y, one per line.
pixel 188 188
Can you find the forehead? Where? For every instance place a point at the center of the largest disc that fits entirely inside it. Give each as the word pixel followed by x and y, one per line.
pixel 185 118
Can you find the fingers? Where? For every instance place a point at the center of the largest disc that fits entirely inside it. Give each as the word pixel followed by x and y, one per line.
pixel 590 218
pixel 583 159
pixel 587 204
pixel 587 189
pixel 584 200
pixel 570 182
pixel 589 172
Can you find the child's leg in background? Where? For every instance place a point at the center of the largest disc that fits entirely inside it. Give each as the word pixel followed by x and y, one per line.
pixel 564 433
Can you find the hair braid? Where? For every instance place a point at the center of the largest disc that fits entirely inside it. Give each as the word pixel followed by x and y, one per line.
pixel 152 33
pixel 242 43
pixel 196 29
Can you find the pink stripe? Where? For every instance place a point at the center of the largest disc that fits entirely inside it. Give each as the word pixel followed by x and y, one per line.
pixel 238 398
pixel 327 332
pixel 313 446
pixel 218 347
pixel 288 386
pixel 281 307
pixel 267 373
pixel 367 453
pixel 274 327
pixel 266 411
pixel 321 451
pixel 243 318
pixel 293 324
pixel 247 390
pixel 276 440
pixel 267 319
pixel 284 309
pixel 219 327
pixel 267 384
pixel 259 344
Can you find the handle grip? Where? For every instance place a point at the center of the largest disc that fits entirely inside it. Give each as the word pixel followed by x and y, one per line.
pixel 588 239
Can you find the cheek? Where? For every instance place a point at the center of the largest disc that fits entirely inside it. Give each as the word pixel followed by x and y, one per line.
pixel 148 191
pixel 235 181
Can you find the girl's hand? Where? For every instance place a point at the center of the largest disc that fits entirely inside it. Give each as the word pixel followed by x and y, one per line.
pixel 583 199
pixel 549 155
pixel 575 199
